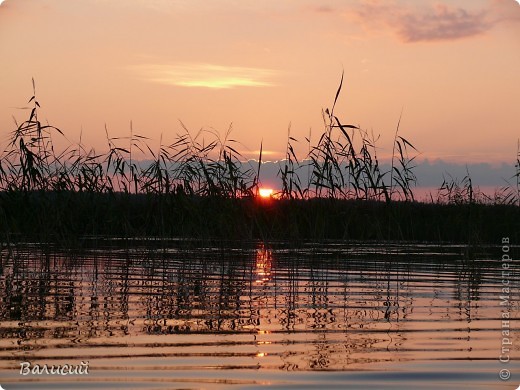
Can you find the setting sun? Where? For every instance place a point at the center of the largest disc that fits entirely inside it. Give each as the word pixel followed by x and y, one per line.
pixel 265 192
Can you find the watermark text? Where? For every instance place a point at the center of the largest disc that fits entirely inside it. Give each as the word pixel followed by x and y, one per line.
pixel 505 304
pixel 26 368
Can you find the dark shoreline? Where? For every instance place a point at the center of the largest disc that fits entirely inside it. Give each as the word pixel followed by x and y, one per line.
pixel 65 217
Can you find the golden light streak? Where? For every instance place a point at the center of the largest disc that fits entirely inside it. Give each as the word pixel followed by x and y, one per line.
pixel 205 75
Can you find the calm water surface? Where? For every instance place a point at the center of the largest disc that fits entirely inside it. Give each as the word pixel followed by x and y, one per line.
pixel 356 316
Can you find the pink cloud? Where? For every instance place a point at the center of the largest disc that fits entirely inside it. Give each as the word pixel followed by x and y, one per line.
pixel 438 22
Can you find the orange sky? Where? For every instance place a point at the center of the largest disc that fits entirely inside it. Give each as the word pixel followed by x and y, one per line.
pixel 453 67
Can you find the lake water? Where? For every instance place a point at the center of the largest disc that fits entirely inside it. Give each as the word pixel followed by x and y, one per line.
pixel 252 315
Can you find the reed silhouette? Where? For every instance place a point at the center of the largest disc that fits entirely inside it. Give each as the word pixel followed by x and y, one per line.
pixel 201 186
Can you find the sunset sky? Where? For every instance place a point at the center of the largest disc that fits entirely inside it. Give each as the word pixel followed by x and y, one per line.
pixel 452 67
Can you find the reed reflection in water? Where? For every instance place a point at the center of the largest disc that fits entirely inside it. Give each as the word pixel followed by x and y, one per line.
pixel 334 315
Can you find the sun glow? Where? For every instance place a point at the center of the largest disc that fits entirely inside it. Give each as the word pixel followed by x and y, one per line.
pixel 265 192
pixel 205 75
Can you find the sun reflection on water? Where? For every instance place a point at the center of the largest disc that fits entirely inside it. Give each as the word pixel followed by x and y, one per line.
pixel 264 259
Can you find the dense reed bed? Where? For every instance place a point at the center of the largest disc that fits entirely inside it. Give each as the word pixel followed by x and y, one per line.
pixel 199 185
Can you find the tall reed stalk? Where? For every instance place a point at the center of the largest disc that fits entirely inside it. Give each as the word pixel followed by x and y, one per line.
pixel 291 183
pixel 402 177
pixel 344 163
